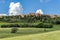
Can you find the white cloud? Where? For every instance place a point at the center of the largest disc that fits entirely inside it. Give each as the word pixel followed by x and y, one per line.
pixel 44 1
pixel 15 8
pixel 39 11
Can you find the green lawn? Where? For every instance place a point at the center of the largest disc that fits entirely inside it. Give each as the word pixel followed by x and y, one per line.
pixel 6 32
pixel 54 35
pixel 22 32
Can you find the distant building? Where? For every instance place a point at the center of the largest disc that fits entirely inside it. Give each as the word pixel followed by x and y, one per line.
pixel 3 14
pixel 22 15
pixel 52 16
pixel 39 12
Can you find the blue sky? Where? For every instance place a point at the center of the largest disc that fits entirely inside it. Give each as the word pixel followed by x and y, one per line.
pixel 47 6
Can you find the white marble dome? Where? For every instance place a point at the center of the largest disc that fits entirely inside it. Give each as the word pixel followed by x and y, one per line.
pixel 39 11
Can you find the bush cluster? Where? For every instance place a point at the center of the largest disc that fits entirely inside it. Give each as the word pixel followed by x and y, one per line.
pixel 45 25
pixel 9 25
pixel 40 25
pixel 17 25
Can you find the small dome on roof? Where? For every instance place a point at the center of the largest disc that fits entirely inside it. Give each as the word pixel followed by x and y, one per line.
pixel 39 11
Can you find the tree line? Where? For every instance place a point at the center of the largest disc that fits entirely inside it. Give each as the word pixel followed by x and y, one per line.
pixel 31 19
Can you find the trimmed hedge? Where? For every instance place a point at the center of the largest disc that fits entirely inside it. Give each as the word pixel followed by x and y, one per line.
pixel 17 25
pixel 44 25
pixel 40 25
pixel 9 25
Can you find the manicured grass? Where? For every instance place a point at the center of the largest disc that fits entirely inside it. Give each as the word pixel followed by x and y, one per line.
pixel 6 32
pixel 56 27
pixel 54 35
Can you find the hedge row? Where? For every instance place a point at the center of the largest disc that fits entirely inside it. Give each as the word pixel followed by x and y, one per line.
pixel 44 25
pixel 17 25
pixel 40 25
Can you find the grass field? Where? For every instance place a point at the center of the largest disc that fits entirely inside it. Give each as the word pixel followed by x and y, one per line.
pixel 6 32
pixel 54 35
pixel 30 33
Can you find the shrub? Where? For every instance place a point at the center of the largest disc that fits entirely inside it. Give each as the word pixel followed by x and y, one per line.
pixel 57 21
pixel 14 30
pixel 13 25
pixel 48 25
pixel 27 25
pixel 9 25
pixel 4 26
pixel 44 25
pixel 40 25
